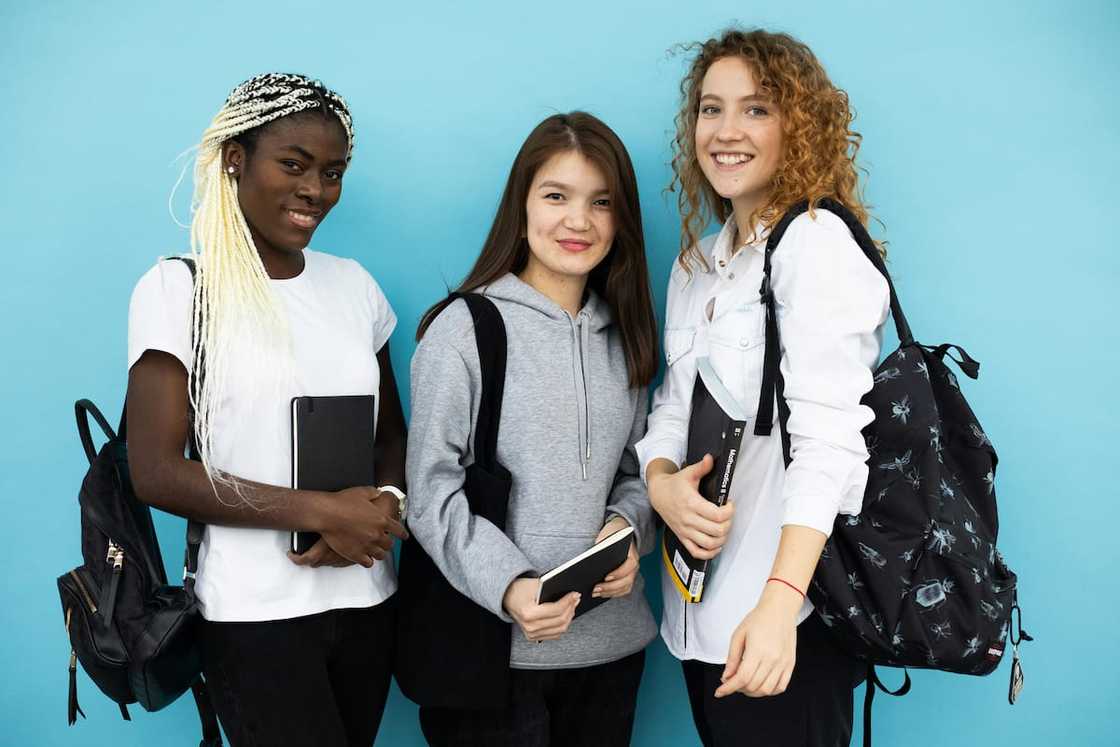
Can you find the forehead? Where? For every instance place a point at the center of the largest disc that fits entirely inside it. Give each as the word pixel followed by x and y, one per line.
pixel 730 76
pixel 572 168
pixel 321 135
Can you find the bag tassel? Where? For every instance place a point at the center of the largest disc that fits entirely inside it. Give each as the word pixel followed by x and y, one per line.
pixel 72 707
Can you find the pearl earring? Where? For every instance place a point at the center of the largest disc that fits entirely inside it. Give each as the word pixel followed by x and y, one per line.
pixel 231 170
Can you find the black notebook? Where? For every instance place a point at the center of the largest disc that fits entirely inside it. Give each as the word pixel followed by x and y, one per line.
pixel 332 447
pixel 585 570
pixel 715 427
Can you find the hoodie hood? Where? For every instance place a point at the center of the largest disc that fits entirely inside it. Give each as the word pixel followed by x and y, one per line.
pixel 511 288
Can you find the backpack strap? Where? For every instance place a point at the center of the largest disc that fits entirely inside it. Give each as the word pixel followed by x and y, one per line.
pixel 873 683
pixel 84 408
pixel 195 529
pixel 773 385
pixel 490 337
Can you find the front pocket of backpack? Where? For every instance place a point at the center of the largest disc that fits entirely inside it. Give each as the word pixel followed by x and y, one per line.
pixel 98 647
pixel 951 616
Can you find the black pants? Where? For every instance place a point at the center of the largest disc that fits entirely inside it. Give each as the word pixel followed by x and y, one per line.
pixel 814 711
pixel 316 680
pixel 588 707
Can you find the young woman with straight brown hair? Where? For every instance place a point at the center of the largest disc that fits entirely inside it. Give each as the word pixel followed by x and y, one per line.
pixel 565 265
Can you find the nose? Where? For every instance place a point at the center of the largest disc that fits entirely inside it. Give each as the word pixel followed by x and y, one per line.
pixel 310 189
pixel 577 218
pixel 730 129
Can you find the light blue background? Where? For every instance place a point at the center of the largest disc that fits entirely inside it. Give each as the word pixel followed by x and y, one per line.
pixel 992 141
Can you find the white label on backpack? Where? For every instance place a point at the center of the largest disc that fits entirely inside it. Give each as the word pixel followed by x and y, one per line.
pixel 680 566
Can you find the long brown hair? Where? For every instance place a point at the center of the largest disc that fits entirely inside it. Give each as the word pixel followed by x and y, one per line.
pixel 622 278
pixel 819 146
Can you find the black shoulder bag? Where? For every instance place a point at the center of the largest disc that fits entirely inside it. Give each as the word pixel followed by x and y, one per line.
pixel 451 652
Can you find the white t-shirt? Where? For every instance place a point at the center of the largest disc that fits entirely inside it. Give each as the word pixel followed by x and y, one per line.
pixel 339 319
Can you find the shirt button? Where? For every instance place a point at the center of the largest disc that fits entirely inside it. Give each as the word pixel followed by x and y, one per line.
pixel 730 276
pixel 744 342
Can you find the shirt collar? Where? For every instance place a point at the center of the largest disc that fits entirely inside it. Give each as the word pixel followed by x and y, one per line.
pixel 722 246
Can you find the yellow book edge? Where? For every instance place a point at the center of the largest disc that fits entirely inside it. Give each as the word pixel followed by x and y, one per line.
pixel 672 571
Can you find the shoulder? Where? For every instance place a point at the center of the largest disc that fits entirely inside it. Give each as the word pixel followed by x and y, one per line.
pixel 168 280
pixel 818 252
pixel 451 326
pixel 819 230
pixel 346 273
pixel 339 269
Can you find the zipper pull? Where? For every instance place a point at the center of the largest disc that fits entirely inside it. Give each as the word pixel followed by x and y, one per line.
pixel 109 601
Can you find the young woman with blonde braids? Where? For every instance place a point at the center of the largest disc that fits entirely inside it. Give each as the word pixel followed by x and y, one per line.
pixel 296 649
pixel 762 128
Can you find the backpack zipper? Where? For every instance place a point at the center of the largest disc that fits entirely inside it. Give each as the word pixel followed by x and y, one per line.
pixel 115 555
pixel 84 592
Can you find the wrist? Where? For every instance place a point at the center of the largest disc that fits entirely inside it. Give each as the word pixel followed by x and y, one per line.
pixel 782 597
pixel 318 513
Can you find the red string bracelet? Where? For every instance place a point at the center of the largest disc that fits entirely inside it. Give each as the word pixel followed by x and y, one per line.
pixel 787 583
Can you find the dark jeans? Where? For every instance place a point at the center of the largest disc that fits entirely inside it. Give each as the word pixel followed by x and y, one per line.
pixel 589 706
pixel 814 711
pixel 315 680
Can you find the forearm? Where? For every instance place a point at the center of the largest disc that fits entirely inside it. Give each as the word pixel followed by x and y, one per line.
pixel 182 487
pixel 799 550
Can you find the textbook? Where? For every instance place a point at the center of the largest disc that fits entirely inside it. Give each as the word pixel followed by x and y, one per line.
pixel 332 448
pixel 716 427
pixel 582 572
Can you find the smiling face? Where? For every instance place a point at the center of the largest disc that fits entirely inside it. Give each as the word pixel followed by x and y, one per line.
pixel 738 134
pixel 569 220
pixel 287 181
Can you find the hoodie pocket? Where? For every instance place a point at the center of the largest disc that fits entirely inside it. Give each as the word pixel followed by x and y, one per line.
pixel 546 551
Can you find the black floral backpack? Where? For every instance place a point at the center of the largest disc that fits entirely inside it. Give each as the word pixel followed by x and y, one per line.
pixel 914 580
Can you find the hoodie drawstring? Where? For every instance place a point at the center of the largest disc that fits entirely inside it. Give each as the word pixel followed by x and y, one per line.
pixel 584 346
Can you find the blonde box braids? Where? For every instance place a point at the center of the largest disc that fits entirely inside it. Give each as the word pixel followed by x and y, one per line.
pixel 234 305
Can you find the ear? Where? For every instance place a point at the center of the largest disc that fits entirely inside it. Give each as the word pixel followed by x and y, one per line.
pixel 233 156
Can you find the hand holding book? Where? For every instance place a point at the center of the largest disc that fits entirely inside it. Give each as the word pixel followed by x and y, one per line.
pixel 701 526
pixel 620 581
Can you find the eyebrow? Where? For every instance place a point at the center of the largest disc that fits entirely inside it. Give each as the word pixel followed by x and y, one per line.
pixel 567 187
pixel 310 156
pixel 752 97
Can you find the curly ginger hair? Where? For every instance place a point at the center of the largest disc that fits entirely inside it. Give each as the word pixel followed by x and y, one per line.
pixel 819 147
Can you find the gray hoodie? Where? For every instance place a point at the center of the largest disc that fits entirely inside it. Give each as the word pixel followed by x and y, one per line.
pixel 567 433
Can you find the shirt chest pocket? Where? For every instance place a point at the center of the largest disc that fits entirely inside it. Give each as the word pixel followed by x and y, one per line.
pixel 736 341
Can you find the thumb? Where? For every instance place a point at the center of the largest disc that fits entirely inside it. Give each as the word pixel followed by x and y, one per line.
pixel 701 468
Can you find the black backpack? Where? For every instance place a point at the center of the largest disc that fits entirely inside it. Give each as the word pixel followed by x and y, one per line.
pixel 451 652
pixel 134 634
pixel 915 580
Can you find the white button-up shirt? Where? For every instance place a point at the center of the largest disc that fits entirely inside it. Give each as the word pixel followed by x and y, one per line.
pixel 832 304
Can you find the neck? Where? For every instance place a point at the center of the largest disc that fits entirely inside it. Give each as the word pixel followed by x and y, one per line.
pixel 744 206
pixel 565 290
pixel 279 264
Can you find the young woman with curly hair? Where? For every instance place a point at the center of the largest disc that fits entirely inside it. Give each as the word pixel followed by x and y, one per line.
pixel 762 128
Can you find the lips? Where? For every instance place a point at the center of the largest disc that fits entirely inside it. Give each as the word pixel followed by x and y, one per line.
pixel 574 245
pixel 303 219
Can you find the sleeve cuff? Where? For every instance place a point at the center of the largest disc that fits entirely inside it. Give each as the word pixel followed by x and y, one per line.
pixel 813 511
pixel 662 448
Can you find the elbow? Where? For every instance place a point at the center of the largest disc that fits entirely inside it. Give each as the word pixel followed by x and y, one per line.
pixel 149 483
